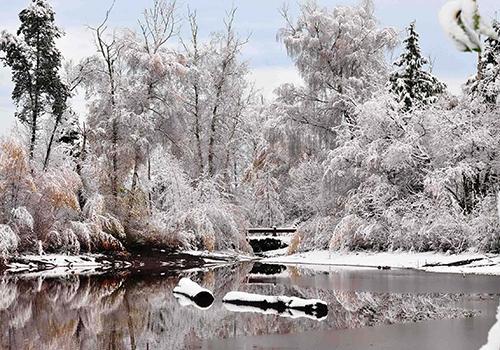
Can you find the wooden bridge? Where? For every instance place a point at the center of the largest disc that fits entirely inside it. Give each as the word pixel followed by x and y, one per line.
pixel 264 239
pixel 272 230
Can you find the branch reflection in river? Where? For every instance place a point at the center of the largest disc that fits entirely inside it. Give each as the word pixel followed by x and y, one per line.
pixel 124 312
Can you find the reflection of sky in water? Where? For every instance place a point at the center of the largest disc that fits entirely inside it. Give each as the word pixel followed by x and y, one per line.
pixel 115 313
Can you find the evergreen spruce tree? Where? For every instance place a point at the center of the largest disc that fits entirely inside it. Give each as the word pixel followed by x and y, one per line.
pixel 411 84
pixel 35 61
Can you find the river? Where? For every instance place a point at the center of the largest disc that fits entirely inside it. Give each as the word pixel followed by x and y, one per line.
pixel 367 309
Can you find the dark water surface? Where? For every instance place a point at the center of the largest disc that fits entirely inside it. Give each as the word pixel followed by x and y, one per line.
pixel 367 309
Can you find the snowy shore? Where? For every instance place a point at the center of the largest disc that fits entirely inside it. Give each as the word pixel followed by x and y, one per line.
pixel 472 263
pixel 56 265
pixel 147 262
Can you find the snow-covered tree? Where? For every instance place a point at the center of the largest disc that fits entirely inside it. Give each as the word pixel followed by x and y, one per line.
pixel 340 55
pixel 35 61
pixel 486 85
pixel 267 206
pixel 410 83
pixel 217 101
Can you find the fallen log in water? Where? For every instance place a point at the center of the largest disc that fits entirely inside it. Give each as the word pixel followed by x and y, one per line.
pixel 276 305
pixel 190 293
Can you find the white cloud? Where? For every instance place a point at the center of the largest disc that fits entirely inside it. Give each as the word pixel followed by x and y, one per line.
pixel 267 79
pixel 6 118
pixel 77 43
pixel 454 84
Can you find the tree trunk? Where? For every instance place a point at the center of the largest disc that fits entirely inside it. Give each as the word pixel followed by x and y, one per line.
pixel 197 129
pixel 133 189
pixel 213 124
pixel 36 107
pixel 34 121
pixel 83 154
pixel 114 158
pixel 49 147
pixel 150 198
pixel 479 75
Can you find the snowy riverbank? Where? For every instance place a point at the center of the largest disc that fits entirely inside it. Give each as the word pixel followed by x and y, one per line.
pixel 144 262
pixel 59 265
pixel 472 263
pixel 55 265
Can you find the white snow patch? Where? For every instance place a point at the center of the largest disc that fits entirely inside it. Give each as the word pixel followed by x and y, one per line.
pixel 493 335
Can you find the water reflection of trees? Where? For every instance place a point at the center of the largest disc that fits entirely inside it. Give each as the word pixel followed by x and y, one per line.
pixel 141 313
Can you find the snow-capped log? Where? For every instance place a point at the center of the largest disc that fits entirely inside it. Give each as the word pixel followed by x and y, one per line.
pixel 284 306
pixel 189 293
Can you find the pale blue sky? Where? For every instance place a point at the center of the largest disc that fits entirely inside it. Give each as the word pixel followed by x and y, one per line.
pixel 260 18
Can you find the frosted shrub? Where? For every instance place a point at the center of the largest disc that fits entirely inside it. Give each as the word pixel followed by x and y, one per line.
pixel 16 181
pixel 95 212
pixel 445 234
pixel 199 216
pixel 8 241
pixel 355 233
pixel 70 243
pixel 487 232
pixel 306 193
pixel 22 218
pixel 53 242
pixel 205 226
pixel 373 236
pixel 23 224
pixel 315 233
pixel 84 234
pixel 103 242
pixel 485 226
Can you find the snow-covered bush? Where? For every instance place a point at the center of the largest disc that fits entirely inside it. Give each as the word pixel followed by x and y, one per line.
pixel 22 219
pixel 16 181
pixel 208 222
pixel 315 233
pixel 8 241
pixel 196 216
pixel 23 224
pixel 95 212
pixel 345 231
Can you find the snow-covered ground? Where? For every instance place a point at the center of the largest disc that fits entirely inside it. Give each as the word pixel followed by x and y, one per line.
pixel 472 263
